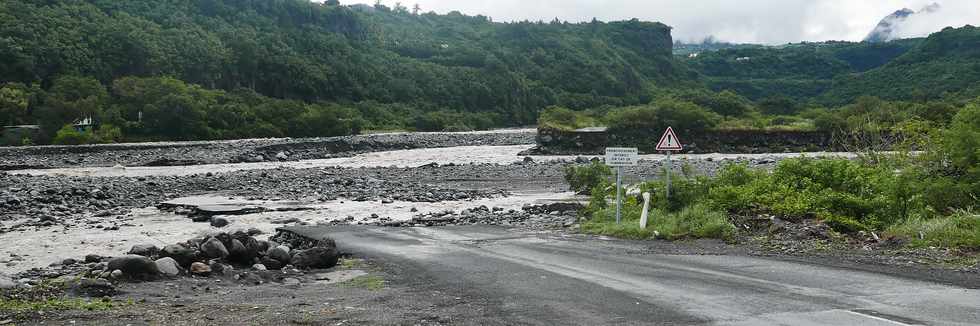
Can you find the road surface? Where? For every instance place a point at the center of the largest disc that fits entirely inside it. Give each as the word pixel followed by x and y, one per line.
pixel 552 279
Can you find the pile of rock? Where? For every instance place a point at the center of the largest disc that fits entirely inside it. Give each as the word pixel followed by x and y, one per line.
pixel 221 255
pixel 560 215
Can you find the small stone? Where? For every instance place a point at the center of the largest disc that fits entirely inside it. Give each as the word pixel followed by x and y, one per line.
pixel 282 156
pixel 69 262
pixel 116 274
pixel 291 281
pixel 219 222
pixel 259 267
pixel 200 269
pixel 92 258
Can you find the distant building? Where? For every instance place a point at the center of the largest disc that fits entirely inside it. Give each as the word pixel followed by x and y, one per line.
pixel 84 125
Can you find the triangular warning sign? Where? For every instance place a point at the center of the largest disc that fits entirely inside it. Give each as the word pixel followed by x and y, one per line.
pixel 669 141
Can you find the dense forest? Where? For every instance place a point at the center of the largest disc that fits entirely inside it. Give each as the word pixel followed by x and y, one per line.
pixel 222 69
pixel 177 69
pixel 943 66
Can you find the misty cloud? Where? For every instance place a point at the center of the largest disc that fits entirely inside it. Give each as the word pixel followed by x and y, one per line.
pixel 744 21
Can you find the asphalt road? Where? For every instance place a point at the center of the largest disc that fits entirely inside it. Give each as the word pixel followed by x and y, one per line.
pixel 549 279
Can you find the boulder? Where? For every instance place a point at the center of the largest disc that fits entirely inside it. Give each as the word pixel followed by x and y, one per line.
pixel 144 250
pixel 316 257
pixel 93 288
pixel 134 266
pixel 213 248
pixel 168 266
pixel 280 253
pixel 237 252
pixel 183 255
pixel 200 269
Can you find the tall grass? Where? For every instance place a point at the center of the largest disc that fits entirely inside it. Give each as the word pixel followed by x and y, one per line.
pixel 960 230
pixel 696 221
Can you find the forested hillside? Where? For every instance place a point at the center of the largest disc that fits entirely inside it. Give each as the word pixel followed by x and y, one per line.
pixel 943 66
pixel 798 71
pixel 180 69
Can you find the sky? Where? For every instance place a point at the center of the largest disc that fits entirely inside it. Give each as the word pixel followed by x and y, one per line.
pixel 739 21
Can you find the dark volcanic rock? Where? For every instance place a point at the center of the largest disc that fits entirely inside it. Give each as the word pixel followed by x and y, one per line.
pixel 316 257
pixel 134 266
pixel 183 255
pixel 145 250
pixel 214 248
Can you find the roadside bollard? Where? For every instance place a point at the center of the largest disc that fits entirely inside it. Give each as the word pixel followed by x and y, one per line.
pixel 646 209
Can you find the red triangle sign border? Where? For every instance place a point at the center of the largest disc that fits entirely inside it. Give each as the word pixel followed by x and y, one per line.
pixel 663 144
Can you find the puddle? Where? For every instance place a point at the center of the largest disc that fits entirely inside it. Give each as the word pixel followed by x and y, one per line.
pixel 42 247
pixel 502 155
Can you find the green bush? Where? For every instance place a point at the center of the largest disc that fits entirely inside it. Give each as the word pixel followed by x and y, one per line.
pixel 960 230
pixel 67 135
pixel 650 121
pixel 584 178
pixel 555 117
pixel 696 221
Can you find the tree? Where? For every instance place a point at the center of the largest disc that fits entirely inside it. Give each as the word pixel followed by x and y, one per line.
pixel 14 100
pixel 71 98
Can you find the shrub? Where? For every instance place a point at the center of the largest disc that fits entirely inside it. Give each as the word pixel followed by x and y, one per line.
pixel 583 179
pixel 696 221
pixel 556 117
pixel 67 135
pixel 645 122
pixel 958 230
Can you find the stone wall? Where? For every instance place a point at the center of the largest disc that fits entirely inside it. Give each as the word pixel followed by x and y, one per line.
pixel 551 141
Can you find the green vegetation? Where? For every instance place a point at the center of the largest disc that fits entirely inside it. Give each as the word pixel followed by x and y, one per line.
pixel 696 221
pixel 961 230
pixel 584 178
pixel 369 282
pixel 927 196
pixel 19 307
pixel 220 69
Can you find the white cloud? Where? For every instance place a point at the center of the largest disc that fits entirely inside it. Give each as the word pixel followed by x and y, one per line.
pixel 745 21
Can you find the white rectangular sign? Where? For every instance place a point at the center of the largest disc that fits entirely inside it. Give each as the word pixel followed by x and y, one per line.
pixel 617 156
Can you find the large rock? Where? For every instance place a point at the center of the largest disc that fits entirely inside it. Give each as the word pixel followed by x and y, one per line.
pixel 316 257
pixel 213 248
pixel 144 250
pixel 134 266
pixel 280 253
pixel 6 282
pixel 183 255
pixel 238 253
pixel 168 266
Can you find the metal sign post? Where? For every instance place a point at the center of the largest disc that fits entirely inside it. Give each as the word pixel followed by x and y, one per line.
pixel 669 143
pixel 619 157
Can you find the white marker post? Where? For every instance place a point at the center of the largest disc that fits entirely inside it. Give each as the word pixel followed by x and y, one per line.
pixel 669 143
pixel 619 157
pixel 646 210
